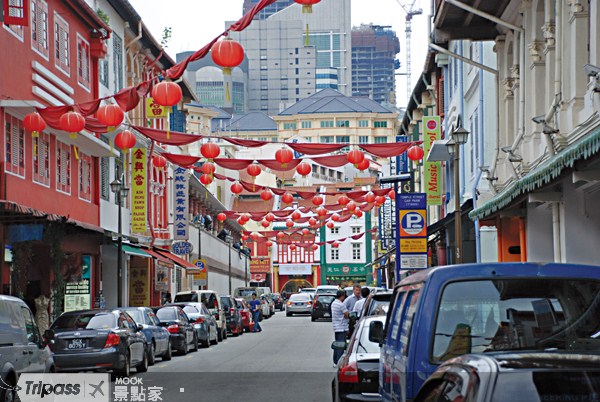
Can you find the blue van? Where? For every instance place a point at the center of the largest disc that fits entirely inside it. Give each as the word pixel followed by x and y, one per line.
pixel 445 312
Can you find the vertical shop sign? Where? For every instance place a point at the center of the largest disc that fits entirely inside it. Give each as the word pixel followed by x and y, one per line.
pixel 181 202
pixel 138 191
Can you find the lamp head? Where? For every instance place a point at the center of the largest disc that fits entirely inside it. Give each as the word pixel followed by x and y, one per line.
pixel 115 185
pixel 460 135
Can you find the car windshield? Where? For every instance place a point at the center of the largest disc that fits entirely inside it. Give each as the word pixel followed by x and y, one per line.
pixel 300 297
pixel 167 314
pixel 190 310
pixel 326 299
pixel 327 290
pixel 245 292
pixel 226 302
pixel 378 307
pixel 86 321
pixel 517 314
pixel 186 297
pixel 136 315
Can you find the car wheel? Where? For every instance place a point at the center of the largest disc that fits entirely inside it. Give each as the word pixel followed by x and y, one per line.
pixel 195 348
pixel 143 366
pixel 151 354
pixel 8 393
pixel 183 351
pixel 219 335
pixel 126 370
pixel 313 318
pixel 224 333
pixel 167 355
pixel 288 314
pixel 214 341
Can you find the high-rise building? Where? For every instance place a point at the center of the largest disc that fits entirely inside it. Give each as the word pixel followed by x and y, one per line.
pixel 374 50
pixel 268 10
pixel 285 66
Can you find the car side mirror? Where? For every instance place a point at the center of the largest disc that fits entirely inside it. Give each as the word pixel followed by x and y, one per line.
pixel 376 332
pixel 338 345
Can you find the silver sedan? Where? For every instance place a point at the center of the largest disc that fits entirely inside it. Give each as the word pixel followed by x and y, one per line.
pixel 299 303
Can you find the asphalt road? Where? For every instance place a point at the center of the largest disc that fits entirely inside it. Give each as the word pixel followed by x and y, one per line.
pixel 290 360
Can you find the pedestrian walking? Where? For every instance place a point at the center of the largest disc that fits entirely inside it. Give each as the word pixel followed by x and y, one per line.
pixel 255 308
pixel 339 319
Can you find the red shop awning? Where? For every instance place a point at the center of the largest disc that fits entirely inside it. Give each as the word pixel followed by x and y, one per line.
pixel 178 260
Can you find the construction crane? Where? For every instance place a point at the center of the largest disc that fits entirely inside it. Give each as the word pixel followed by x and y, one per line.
pixel 410 11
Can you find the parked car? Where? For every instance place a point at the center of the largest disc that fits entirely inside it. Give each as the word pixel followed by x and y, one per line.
pixel 211 300
pixel 515 376
pixel 322 306
pixel 265 308
pixel 326 289
pixel 310 291
pixel 232 316
pixel 98 340
pixel 22 348
pixel 445 312
pixel 246 292
pixel 299 303
pixel 245 313
pixel 269 300
pixel 278 301
pixel 357 376
pixel 376 304
pixel 158 342
pixel 203 322
pixel 183 334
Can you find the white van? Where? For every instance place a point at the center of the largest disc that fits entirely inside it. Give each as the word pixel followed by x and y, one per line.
pixel 211 300
pixel 327 289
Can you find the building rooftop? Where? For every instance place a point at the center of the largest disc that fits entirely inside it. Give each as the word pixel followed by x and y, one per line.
pixel 329 101
pixel 253 121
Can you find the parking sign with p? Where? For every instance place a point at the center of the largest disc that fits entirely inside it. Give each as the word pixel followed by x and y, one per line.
pixel 413 223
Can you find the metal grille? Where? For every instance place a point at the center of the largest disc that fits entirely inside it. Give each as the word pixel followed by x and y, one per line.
pixel 118 61
pixel 104 178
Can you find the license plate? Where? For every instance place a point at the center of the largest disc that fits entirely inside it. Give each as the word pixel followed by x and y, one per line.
pixel 76 344
pixel 299 304
pixel 326 315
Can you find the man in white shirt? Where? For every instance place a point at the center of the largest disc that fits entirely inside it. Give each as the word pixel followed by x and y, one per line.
pixel 351 301
pixel 364 292
pixel 339 319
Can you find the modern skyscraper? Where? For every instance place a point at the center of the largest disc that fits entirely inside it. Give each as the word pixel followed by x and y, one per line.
pixel 374 50
pixel 283 67
pixel 268 10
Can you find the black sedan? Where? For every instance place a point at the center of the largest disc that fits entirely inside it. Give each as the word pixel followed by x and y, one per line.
pixel 357 377
pixel 98 340
pixel 516 377
pixel 203 321
pixel 157 337
pixel 182 332
pixel 278 300
pixel 322 306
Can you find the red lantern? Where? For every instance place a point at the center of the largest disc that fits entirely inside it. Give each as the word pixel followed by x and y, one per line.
pixel 241 221
pixel 265 224
pixel 159 161
pixel 166 93
pixel 269 217
pixel 351 206
pixel 370 197
pixel 321 212
pixel 236 188
pixel 287 198
pixel 292 247
pixel 335 217
pixel 244 237
pixel 380 199
pixel 364 165
pixel 307 5
pixel 317 200
pixel 289 223
pixel 284 156
pixel 280 235
pixel 254 236
pixel 415 153
pixel 305 231
pixel 266 195
pixel 227 53
pixel 72 123
pixel 221 217
pixel 34 123
pixel 392 195
pixel 125 140
pixel 355 157
pixel 330 225
pixel 210 150
pixel 303 169
pixel 208 168
pixel 314 247
pixel 335 244
pixel 253 170
pixel 246 217
pixel 269 243
pixel 312 222
pixel 358 213
pixel 110 115
pixel 206 179
pixel 296 215
pixel 343 200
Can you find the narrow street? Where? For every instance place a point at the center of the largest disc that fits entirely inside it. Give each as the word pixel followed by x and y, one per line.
pixel 290 360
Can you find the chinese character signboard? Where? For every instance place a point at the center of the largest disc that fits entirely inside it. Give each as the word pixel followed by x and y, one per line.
pixel 432 131
pixel 139 294
pixel 260 265
pixel 413 231
pixel 154 110
pixel 138 190
pixel 181 204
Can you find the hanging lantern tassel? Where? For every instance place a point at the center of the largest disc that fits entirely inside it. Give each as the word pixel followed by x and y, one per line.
pixel 35 141
pixel 227 91
pixel 76 153
pixel 73 135
pixel 307 9
pixel 112 148
pixel 307 38
pixel 168 123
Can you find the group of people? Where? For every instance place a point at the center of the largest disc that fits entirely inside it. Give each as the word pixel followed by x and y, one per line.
pixel 341 310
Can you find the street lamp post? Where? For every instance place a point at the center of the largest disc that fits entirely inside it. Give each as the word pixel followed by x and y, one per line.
pixel 459 137
pixel 229 239
pixel 117 187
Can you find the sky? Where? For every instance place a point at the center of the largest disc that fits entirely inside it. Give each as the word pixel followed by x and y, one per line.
pixel 194 23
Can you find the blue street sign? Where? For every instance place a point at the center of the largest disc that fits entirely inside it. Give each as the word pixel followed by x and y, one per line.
pixel 182 248
pixel 402 165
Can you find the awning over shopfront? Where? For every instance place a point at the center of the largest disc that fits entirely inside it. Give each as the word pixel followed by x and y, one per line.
pixel 159 257
pixel 178 260
pixel 136 251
